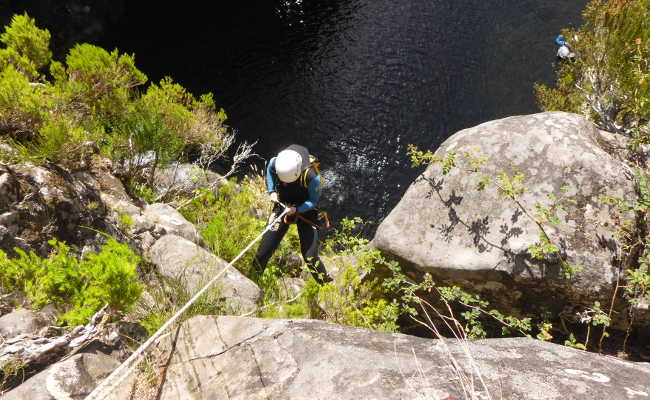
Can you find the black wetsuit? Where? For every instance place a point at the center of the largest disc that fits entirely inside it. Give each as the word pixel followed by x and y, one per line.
pixel 299 195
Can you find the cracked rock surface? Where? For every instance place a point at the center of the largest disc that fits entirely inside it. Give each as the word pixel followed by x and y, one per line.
pixel 226 357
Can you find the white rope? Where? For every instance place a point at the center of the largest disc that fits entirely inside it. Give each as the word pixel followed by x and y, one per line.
pixel 126 367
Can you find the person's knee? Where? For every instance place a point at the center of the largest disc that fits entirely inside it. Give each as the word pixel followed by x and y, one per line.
pixel 261 259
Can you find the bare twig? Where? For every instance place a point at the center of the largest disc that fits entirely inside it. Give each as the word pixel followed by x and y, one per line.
pixel 467 380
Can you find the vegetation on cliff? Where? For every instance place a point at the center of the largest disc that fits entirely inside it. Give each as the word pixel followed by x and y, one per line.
pixel 609 83
pixel 95 96
pixel 609 80
pixel 79 286
pixel 57 112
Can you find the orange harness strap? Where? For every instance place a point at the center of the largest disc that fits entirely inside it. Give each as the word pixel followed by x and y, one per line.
pixel 292 219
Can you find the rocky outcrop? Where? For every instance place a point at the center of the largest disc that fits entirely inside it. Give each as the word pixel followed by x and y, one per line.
pixel 69 373
pixel 182 260
pixel 9 188
pixel 183 179
pixel 171 221
pixel 38 203
pixel 443 225
pixel 41 202
pixel 73 378
pixel 24 321
pixel 247 358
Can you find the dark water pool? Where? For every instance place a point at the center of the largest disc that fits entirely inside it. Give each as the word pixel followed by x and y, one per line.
pixel 354 80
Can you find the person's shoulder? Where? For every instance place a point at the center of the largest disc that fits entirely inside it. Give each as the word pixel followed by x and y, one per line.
pixel 270 167
pixel 312 174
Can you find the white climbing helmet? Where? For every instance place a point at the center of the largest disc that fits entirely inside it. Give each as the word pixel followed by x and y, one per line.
pixel 563 52
pixel 288 165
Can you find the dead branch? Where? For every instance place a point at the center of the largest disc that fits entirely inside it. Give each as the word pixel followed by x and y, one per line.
pixel 45 346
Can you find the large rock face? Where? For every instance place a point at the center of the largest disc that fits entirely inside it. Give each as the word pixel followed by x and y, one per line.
pixel 246 358
pixel 41 202
pixel 443 225
pixel 193 266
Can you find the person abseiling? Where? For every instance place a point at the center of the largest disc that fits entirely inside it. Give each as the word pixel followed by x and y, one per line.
pixel 293 181
pixel 563 51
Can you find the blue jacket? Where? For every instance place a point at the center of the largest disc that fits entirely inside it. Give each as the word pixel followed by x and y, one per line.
pixel 313 188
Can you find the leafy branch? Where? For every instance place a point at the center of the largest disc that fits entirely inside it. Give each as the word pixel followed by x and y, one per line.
pixel 510 188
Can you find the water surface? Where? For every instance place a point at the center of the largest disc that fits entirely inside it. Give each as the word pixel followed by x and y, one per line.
pixel 353 80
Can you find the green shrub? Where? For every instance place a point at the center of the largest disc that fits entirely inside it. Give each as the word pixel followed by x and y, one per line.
pixel 356 302
pixel 172 103
pixel 167 122
pixel 58 140
pixel 349 300
pixel 95 84
pixel 80 287
pixel 168 295
pixel 142 190
pixel 196 121
pixel 125 222
pixel 233 226
pixel 200 208
pixel 305 306
pixel 270 283
pixel 28 47
pixel 94 96
pixel 143 131
pixel 23 107
pixel 610 78
pixel 227 220
pixel 347 239
pixel 187 123
pixel 10 57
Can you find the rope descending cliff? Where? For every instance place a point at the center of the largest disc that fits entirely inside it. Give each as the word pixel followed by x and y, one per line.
pixel 114 379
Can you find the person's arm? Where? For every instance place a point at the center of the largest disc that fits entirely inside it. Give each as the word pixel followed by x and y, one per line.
pixel 314 195
pixel 270 176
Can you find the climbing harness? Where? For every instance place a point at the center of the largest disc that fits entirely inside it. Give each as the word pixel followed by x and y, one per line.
pixel 117 376
pixel 322 224
pixel 313 164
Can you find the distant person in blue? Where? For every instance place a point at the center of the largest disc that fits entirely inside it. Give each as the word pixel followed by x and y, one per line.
pixel 563 51
pixel 292 180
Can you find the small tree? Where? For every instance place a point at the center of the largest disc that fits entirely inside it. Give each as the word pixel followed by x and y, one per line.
pixel 28 47
pixel 96 85
pixel 23 108
pixel 95 100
